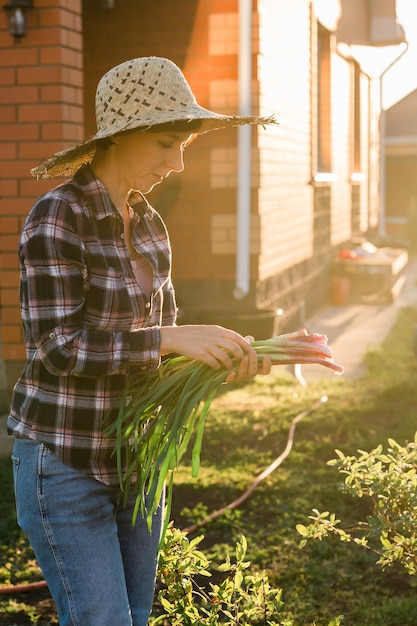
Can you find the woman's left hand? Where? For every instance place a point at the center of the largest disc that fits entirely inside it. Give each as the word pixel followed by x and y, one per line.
pixel 249 366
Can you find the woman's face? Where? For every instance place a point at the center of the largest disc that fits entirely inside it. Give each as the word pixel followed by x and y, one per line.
pixel 145 159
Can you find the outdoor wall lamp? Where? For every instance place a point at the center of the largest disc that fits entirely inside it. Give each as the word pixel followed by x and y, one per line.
pixel 17 11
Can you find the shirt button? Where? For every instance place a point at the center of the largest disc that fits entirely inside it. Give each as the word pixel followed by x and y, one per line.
pixel 51 335
pixel 148 305
pixel 122 236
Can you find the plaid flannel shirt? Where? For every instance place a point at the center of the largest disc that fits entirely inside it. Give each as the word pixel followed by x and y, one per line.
pixel 87 323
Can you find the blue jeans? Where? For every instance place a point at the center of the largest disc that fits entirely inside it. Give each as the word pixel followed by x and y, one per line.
pixel 99 568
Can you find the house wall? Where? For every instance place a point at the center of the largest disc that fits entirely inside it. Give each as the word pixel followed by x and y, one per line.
pixel 286 196
pixel 341 151
pixel 199 205
pixel 41 111
pixel 302 221
pixel 48 90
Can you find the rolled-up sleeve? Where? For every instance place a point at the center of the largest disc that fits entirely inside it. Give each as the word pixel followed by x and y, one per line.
pixel 56 269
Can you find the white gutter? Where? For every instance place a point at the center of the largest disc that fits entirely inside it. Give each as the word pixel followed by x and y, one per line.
pixel 242 284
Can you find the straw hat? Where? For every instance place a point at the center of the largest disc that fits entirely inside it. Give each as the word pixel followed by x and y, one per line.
pixel 140 93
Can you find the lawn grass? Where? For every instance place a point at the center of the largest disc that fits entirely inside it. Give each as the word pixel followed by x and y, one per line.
pixel 246 430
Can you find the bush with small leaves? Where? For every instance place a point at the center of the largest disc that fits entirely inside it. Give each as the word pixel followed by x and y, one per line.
pixel 389 480
pixel 241 599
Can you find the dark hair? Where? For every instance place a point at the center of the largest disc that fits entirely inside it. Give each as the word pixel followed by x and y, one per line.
pixel 180 126
pixel 104 143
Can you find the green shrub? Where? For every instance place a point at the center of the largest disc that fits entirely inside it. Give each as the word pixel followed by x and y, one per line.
pixel 241 598
pixel 389 481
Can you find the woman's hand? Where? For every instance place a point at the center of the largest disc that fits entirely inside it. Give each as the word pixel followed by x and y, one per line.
pixel 216 346
pixel 250 366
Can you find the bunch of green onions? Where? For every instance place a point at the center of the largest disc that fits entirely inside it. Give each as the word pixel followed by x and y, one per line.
pixel 159 415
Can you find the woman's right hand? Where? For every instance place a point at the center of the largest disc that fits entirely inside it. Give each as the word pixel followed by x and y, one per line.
pixel 211 344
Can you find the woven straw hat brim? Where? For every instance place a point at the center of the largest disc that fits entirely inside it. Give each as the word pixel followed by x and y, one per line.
pixel 140 94
pixel 68 161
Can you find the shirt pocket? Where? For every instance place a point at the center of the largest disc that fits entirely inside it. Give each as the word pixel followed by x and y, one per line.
pixel 107 302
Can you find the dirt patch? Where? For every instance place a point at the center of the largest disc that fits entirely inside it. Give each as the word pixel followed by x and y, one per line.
pixel 37 602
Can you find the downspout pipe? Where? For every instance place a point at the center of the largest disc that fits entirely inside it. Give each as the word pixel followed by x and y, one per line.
pixel 382 135
pixel 244 141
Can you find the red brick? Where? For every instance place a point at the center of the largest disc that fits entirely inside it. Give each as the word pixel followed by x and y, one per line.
pixel 60 17
pixel 10 315
pixel 8 243
pixel 9 260
pixel 224 6
pixel 9 297
pixel 39 75
pixel 19 131
pixel 73 40
pixel 61 93
pixel 39 150
pixel 71 5
pixel 8 114
pixel 11 334
pixel 8 151
pixel 18 206
pixel 8 187
pixel 71 133
pixel 15 169
pixel 18 94
pixel 31 187
pixel 14 352
pixel 7 76
pixel 67 5
pixel 40 112
pixel 36 150
pixel 73 113
pixel 47 37
pixel 9 225
pixel 63 56
pixel 8 279
pixel 224 67
pixel 73 76
pixel 18 57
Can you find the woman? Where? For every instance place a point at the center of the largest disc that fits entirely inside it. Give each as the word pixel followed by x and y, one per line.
pixel 98 305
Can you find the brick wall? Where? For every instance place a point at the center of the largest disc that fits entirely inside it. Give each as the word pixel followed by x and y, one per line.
pixel 202 38
pixel 295 224
pixel 41 112
pixel 302 222
pixel 285 197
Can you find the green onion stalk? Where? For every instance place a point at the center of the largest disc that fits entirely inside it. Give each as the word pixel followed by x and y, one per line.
pixel 159 415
